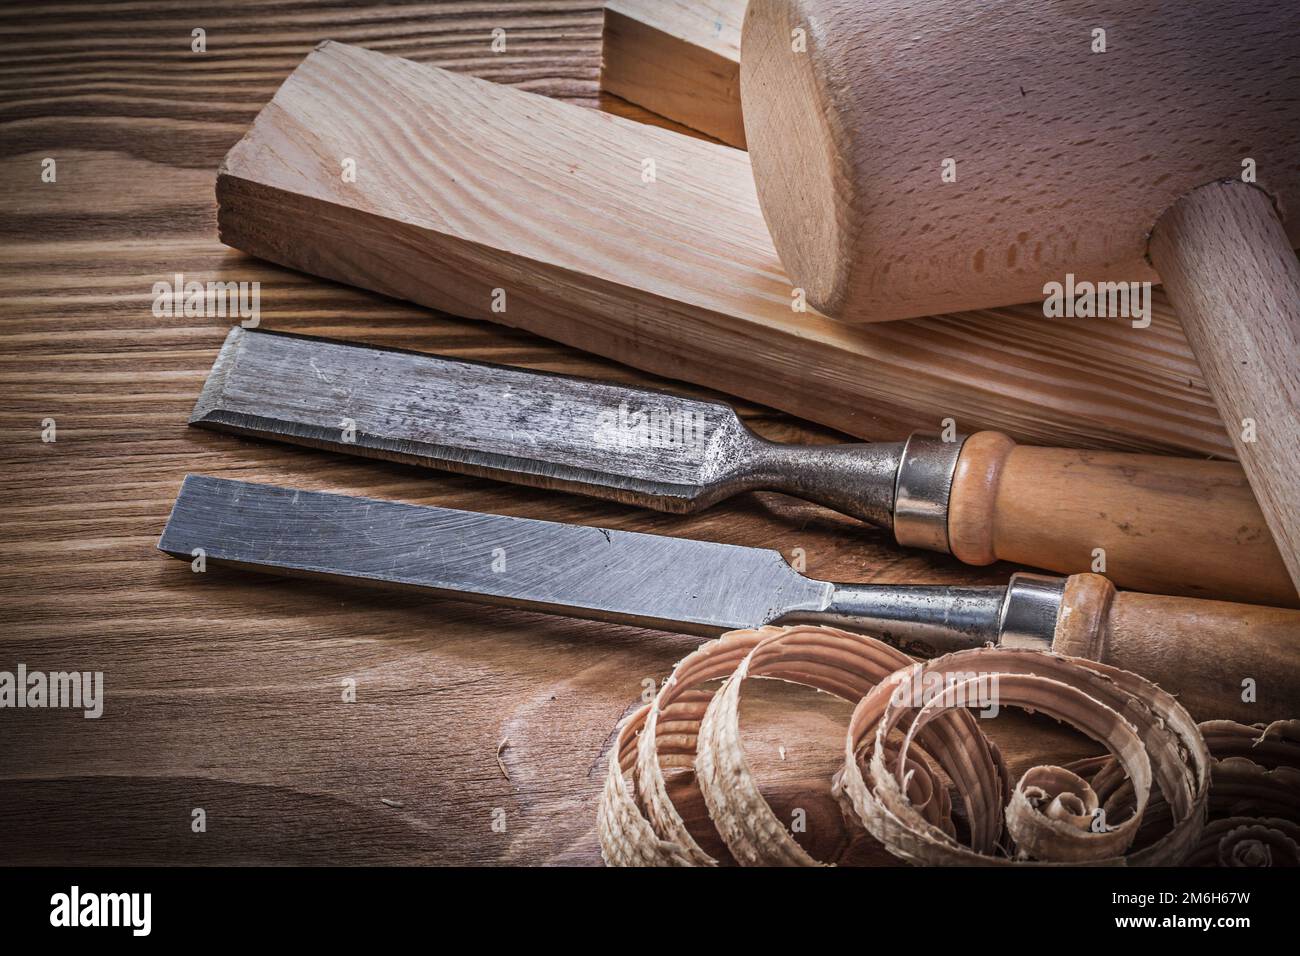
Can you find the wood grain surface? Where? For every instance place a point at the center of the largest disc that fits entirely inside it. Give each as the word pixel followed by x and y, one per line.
pixel 224 691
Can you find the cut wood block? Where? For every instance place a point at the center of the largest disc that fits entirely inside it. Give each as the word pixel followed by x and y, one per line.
pixel 648 247
pixel 678 58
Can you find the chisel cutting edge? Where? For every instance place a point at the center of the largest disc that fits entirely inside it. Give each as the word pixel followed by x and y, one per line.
pixel 707 588
pixel 1155 523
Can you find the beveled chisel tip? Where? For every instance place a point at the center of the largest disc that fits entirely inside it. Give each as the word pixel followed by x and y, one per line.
pixel 210 398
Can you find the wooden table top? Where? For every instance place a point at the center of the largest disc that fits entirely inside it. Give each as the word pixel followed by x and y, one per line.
pixel 225 691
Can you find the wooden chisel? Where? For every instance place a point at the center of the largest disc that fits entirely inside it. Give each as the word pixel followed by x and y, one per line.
pixel 1203 650
pixel 1152 523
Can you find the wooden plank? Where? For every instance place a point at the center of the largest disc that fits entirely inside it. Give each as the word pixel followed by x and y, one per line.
pixel 465 187
pixel 678 58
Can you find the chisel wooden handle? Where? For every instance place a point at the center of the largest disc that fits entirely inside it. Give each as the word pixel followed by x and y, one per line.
pixel 1170 525
pixel 1223 660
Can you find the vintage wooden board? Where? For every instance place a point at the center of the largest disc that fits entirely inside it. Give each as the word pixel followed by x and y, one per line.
pixel 224 693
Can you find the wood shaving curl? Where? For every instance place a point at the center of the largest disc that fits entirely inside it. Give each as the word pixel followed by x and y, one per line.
pixel 899 751
pixel 1150 736
pixel 1254 800
pixel 1254 795
pixel 501 764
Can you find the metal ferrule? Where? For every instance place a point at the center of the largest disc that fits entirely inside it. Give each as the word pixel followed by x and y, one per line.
pixel 1030 610
pixel 930 620
pixel 922 620
pixel 921 491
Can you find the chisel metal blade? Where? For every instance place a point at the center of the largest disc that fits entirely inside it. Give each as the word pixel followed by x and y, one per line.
pixel 642 579
pixel 531 427
pixel 633 445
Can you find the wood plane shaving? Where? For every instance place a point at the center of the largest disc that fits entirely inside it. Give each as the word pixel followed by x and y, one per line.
pixel 1143 804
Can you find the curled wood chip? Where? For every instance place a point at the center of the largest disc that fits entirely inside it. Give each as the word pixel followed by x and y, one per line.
pixel 1058 794
pixel 1149 735
pixel 638 822
pixel 1256 770
pixel 626 837
pixel 902 750
pixel 1239 841
pixel 501 764
pixel 1254 795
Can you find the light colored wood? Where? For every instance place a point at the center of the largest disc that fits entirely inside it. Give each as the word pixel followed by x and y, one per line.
pixel 1222 660
pixel 1081 622
pixel 464 187
pixel 224 693
pixel 972 499
pixel 1166 525
pixel 1064 157
pixel 1227 261
pixel 678 58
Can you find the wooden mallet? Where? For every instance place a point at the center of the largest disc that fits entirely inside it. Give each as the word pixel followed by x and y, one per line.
pixel 915 157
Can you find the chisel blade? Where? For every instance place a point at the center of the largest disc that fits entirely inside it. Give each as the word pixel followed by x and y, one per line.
pixel 637 446
pixel 641 579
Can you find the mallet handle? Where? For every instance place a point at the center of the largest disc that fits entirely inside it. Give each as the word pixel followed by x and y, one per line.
pixel 1233 277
